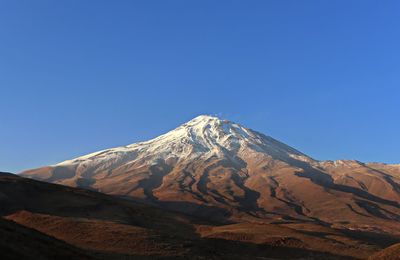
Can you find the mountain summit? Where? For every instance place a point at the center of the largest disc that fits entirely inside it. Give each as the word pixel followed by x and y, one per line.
pixel 204 136
pixel 218 168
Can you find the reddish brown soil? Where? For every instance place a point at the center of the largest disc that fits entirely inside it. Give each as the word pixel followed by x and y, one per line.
pixel 93 225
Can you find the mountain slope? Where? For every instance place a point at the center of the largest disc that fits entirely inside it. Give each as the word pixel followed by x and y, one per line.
pixel 213 167
pixel 18 242
pixel 91 220
pixel 61 222
pixel 390 253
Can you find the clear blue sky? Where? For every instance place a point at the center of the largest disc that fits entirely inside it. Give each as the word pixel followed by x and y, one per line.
pixel 79 76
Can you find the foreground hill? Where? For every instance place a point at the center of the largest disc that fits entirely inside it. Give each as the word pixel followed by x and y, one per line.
pixel 81 224
pixel 216 168
pixel 18 242
pixel 91 220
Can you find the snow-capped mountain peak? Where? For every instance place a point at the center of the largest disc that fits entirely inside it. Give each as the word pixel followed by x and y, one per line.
pixel 207 133
pixel 204 136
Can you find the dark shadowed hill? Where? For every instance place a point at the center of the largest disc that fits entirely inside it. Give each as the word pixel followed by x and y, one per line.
pixel 93 225
pixel 18 242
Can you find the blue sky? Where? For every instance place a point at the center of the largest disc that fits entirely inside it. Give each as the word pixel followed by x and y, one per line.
pixel 79 76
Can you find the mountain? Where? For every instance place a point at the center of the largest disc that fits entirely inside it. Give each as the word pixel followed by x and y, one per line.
pixel 224 171
pixel 40 220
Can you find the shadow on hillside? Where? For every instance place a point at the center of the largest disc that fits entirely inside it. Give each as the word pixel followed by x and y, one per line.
pixel 216 249
pixel 325 180
pixel 382 240
pixel 213 215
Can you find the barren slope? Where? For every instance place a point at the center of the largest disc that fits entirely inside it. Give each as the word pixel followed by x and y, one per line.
pixel 390 253
pixel 111 228
pixel 18 242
